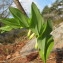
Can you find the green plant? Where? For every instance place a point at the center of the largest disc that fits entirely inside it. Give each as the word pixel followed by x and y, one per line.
pixel 40 28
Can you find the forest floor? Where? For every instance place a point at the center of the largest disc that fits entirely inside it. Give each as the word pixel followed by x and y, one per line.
pixel 10 53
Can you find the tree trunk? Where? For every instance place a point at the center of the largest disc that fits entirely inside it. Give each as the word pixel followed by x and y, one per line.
pixel 19 6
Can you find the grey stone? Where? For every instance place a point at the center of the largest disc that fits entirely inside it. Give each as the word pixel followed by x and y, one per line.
pixel 28 48
pixel 57 34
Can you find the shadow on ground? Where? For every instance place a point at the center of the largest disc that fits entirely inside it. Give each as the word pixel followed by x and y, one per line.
pixel 59 55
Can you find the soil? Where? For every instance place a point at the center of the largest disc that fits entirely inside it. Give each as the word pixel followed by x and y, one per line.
pixel 10 53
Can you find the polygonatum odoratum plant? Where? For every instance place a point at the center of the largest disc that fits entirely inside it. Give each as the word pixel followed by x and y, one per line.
pixel 41 29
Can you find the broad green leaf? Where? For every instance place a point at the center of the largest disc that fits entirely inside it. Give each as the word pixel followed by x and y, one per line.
pixel 10 22
pixel 49 47
pixel 45 41
pixel 6 28
pixel 29 20
pixel 37 20
pixel 44 26
pixel 23 19
pixel 41 46
pixel 34 30
pixel 41 53
pixel 47 30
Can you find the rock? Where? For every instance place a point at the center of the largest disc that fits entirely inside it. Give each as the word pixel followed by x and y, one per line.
pixel 28 48
pixel 32 56
pixel 57 34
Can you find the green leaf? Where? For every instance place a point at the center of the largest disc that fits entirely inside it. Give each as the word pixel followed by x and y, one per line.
pixel 5 28
pixel 49 47
pixel 41 46
pixel 45 41
pixel 47 30
pixel 10 22
pixel 37 20
pixel 45 47
pixel 23 19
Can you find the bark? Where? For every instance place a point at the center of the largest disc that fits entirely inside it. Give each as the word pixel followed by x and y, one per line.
pixel 19 6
